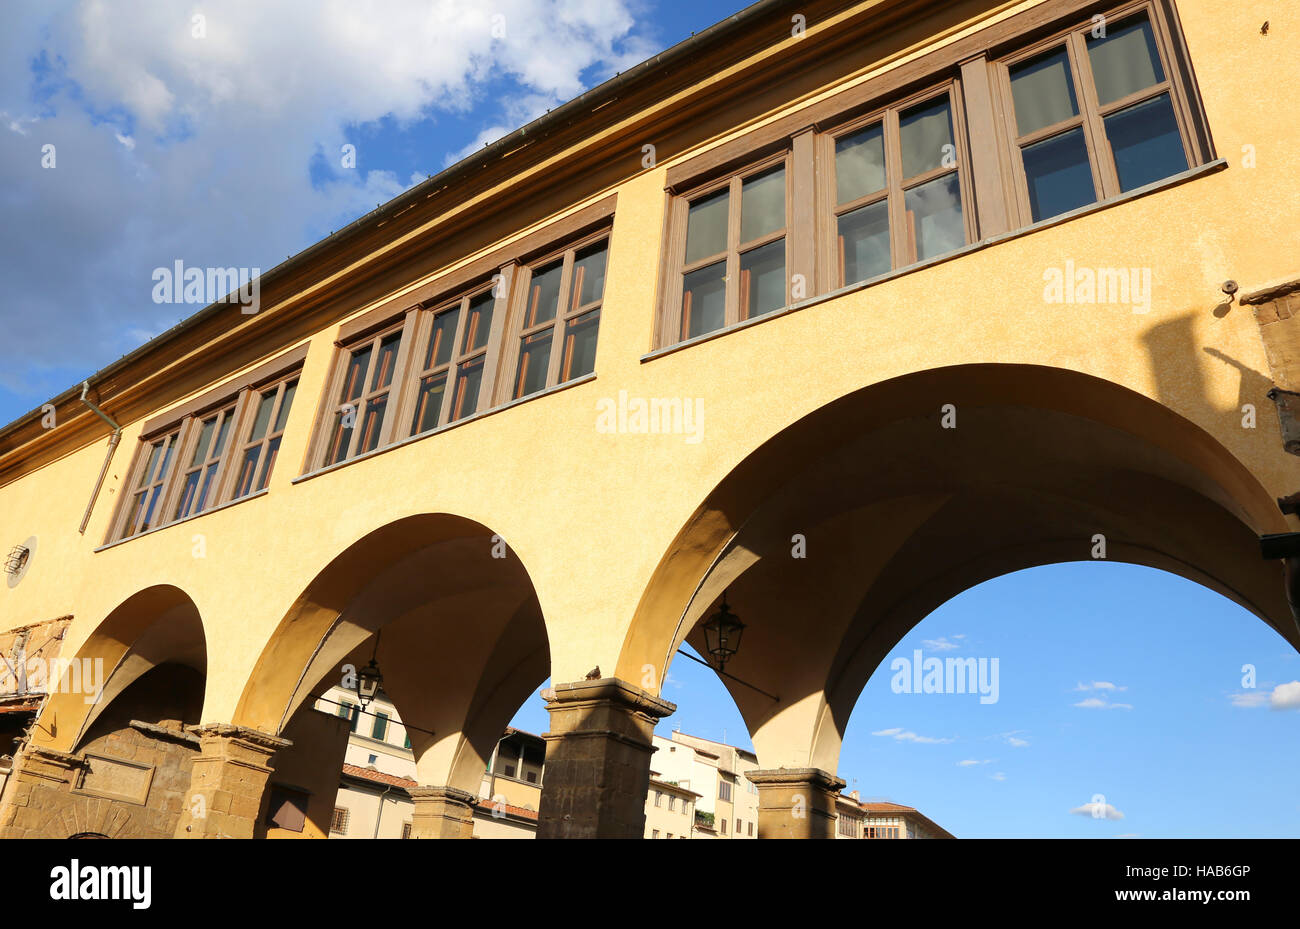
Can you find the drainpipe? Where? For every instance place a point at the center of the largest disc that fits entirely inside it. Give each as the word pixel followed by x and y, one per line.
pixel 108 456
pixel 381 811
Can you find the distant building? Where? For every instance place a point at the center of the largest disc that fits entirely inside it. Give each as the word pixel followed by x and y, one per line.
pixel 884 820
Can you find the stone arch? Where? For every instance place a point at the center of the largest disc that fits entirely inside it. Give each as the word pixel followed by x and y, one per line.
pixel 899 513
pixel 462 641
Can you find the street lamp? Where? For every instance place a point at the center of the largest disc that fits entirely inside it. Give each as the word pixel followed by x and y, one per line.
pixel 369 679
pixel 722 632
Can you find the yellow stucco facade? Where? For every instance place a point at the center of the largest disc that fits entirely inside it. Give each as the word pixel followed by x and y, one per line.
pixel 824 421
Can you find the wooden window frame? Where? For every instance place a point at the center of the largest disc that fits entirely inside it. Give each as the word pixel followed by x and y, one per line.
pixel 675 315
pixel 1177 84
pixel 228 415
pixel 124 526
pixel 333 404
pixel 902 246
pixel 251 401
pixel 185 426
pixel 519 313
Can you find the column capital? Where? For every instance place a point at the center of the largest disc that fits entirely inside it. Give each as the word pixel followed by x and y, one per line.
pixel 609 689
pixel 442 812
pixel 796 803
pixel 231 732
pixel 815 777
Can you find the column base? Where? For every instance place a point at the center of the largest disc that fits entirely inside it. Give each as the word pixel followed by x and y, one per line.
pixel 598 759
pixel 442 813
pixel 796 803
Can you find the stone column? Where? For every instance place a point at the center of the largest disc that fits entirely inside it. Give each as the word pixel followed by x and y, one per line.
pixel 796 803
pixel 442 813
pixel 598 759
pixel 227 782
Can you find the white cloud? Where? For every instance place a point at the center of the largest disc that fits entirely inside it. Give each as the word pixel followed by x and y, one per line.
pixel 1249 699
pixel 970 761
pixel 999 776
pixel 1102 703
pixel 904 735
pixel 211 150
pixel 1098 811
pixel 1285 696
pixel 941 644
pixel 1013 739
pixel 1099 685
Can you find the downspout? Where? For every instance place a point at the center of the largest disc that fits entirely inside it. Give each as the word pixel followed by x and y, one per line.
pixel 108 456
pixel 380 817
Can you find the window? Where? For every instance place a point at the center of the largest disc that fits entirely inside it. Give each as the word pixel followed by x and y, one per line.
pixel 672 804
pixel 339 821
pixel 848 827
pixel 216 448
pixel 751 828
pixel 361 404
pixel 262 443
pixel 723 826
pixel 406 830
pixel 149 486
pixel 898 189
pixel 200 477
pixel 724 790
pixel 456 356
pixel 734 249
pixel 381 726
pixel 654 833
pixel 659 798
pixel 351 712
pixel 560 295
pixel 1095 113
pixel 406 742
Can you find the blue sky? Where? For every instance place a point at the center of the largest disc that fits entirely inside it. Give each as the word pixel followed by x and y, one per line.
pixel 1182 750
pixel 224 150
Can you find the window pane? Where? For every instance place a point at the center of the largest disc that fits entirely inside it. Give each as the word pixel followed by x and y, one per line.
pixel 762 204
pixel 467 385
pixel 1125 60
pixel 385 361
pixel 479 324
pixel 859 164
pixel 146 475
pixel 353 382
pixel 247 470
pixel 263 418
pixel 372 423
pixel 762 279
pixel 704 300
pixel 149 508
pixel 381 726
pixel 1043 91
pixel 428 405
pixel 925 134
pixel 544 293
pixel 534 359
pixel 226 419
pixel 934 217
pixel 1146 143
pixel 137 507
pixel 340 436
pixel 268 462
pixel 188 490
pixel 166 458
pixel 209 473
pixel 580 346
pixel 864 243
pixel 286 402
pixel 589 274
pixel 706 226
pixel 205 439
pixel 441 338
pixel 1059 176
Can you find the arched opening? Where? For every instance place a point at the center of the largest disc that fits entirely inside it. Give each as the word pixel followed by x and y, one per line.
pixel 843 531
pixel 448 614
pixel 1115 699
pixel 110 752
